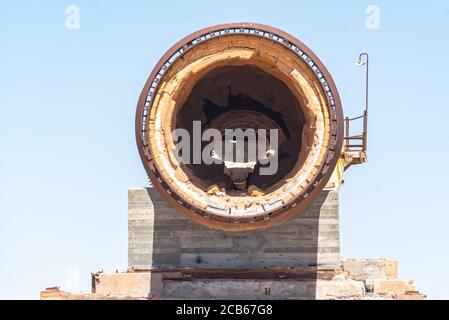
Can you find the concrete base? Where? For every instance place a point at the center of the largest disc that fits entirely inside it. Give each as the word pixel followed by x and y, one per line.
pixel 380 282
pixel 160 238
pixel 171 257
pixel 263 289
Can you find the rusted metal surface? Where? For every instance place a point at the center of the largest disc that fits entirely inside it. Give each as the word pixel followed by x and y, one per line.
pixel 268 217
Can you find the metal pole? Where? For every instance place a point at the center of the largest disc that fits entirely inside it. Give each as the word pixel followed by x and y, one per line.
pixel 367 76
pixel 365 119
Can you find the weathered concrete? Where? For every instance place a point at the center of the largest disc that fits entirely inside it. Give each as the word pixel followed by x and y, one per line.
pixel 363 269
pixel 134 284
pixel 277 283
pixel 161 238
pixel 263 289
pixel 217 289
pixel 171 257
pixel 57 294
pixel 391 286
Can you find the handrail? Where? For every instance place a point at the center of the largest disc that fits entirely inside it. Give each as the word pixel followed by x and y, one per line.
pixel 359 117
pixel 363 136
pixel 355 152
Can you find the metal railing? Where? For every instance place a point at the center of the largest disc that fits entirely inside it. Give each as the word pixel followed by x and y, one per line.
pixel 356 143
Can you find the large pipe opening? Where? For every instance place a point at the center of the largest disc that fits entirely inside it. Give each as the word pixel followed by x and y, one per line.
pixel 243 97
pixel 240 80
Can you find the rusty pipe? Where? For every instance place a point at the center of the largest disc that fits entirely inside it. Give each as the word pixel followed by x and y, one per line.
pixel 247 75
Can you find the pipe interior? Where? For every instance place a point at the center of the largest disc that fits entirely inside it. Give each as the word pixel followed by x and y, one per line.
pixel 232 96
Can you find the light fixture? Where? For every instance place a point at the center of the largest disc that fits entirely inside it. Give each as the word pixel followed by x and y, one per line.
pixel 361 61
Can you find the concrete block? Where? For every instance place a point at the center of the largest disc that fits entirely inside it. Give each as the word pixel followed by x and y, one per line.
pixel 263 289
pixel 161 238
pixel 411 295
pixel 391 286
pixel 57 294
pixel 339 289
pixel 139 284
pixel 362 269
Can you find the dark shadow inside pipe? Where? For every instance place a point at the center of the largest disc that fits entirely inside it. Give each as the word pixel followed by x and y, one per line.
pixel 248 90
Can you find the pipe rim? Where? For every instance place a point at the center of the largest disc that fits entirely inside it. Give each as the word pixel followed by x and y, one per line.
pixel 332 154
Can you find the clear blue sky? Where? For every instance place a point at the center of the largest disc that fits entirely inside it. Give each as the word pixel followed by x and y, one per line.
pixel 68 155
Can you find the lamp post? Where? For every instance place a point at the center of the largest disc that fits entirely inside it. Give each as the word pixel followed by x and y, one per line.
pixel 364 61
